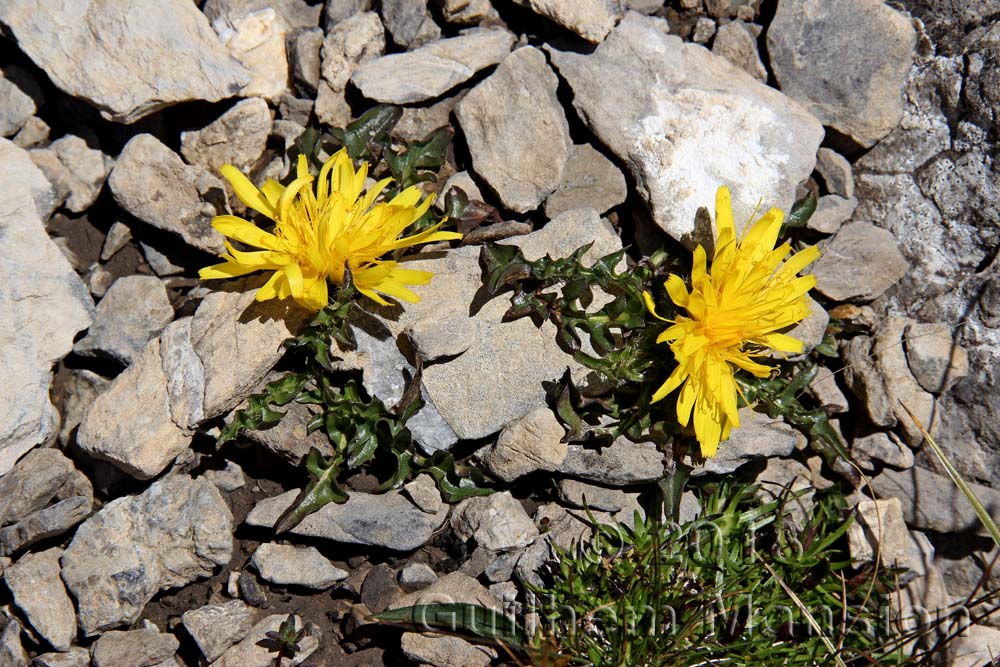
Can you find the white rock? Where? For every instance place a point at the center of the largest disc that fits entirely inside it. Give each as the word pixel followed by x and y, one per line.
pixel 176 531
pixel 39 593
pixel 289 565
pixel 216 627
pixel 237 137
pixel 686 121
pixel 387 520
pixel 348 45
pixel 517 131
pixel 88 168
pixel 254 650
pixel 497 522
pixel 127 73
pixel 152 183
pixel 257 40
pixel 37 278
pixel 199 368
pixel 590 19
pixel 532 443
pixel 434 69
pixel 134 310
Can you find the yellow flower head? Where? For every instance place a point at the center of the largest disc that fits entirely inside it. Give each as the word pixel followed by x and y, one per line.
pixel 734 313
pixel 317 232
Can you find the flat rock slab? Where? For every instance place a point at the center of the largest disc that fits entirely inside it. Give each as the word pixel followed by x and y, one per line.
pixel 151 182
pixel 288 565
pixel 198 368
pixel 216 627
pixel 134 309
pixel 133 648
pixel 872 46
pixel 590 19
pixel 43 305
pixel 859 263
pixel 431 70
pixel 686 121
pixel 255 651
pixel 39 592
pixel 932 502
pixel 178 530
pixel 517 131
pixel 127 59
pixel 389 520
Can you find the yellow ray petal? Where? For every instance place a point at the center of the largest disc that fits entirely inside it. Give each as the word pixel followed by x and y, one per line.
pixel 246 192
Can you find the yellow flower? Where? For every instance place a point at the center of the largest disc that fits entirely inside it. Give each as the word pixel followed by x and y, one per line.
pixel 317 233
pixel 734 314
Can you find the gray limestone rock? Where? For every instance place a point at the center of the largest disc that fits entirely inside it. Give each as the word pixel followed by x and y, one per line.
pixel 216 627
pixel 416 577
pixel 34 133
pixel 409 22
pixel 134 310
pixel 704 30
pixel 902 389
pixel 256 38
pixel 832 211
pixel 288 565
pixel 827 393
pixel 152 183
pixel 16 107
pixel 229 478
pixel 126 74
pixel 468 11
pixel 589 180
pixel 12 652
pixel 75 657
pixel 497 522
pixel 37 278
pixel 387 520
pixel 304 57
pixel 932 502
pixel 583 495
pixel 348 45
pixel 297 14
pixel 881 447
pixel 419 121
pixel 735 43
pixel 590 19
pixel 532 443
pixel 836 172
pixel 133 648
pixel 237 137
pixel 117 238
pixel 473 403
pixel 178 530
pixel 84 387
pixel 199 368
pixel 87 169
pixel 669 135
pixel 254 650
pixel 517 132
pixel 40 594
pixel 620 464
pixel 433 69
pixel 32 483
pixel 451 588
pixel 936 360
pixel 445 651
pixel 872 46
pixel 45 523
pixel 757 436
pixel 859 263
